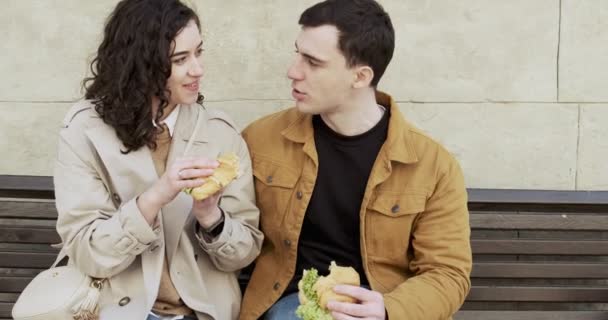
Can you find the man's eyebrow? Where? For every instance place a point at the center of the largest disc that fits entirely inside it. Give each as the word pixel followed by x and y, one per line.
pixel 309 56
pixel 185 51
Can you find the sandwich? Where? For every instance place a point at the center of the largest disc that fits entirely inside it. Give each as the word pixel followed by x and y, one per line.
pixel 314 291
pixel 227 171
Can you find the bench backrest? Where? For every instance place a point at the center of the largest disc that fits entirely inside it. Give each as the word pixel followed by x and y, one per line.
pixel 538 250
pixel 27 228
pixel 533 250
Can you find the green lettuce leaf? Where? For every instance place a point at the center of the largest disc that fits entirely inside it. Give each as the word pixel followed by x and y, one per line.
pixel 308 281
pixel 312 311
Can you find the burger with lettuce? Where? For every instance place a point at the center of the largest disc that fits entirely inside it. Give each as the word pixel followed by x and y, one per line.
pixel 315 291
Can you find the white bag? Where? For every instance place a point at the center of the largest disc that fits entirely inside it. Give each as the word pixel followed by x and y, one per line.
pixel 59 293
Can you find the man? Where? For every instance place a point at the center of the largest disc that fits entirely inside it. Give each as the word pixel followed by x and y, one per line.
pixel 343 177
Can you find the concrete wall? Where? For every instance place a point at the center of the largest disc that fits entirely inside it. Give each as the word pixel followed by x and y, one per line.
pixel 515 89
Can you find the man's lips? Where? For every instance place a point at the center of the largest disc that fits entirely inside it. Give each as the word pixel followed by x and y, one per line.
pixel 298 95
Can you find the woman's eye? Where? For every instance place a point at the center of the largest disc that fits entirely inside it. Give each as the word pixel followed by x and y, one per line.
pixel 179 60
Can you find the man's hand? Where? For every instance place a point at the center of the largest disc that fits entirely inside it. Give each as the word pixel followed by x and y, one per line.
pixel 370 306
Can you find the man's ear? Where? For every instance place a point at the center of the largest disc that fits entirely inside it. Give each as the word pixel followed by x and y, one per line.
pixel 363 77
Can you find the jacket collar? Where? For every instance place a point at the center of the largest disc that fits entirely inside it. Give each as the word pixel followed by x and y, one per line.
pixel 300 130
pixel 184 126
pixel 189 116
pixel 398 145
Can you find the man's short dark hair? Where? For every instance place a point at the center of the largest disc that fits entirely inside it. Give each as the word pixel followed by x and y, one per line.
pixel 366 34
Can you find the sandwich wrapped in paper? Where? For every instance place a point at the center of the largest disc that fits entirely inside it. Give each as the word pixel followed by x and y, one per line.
pixel 315 291
pixel 227 171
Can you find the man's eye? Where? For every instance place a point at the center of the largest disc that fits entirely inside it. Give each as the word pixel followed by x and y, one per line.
pixel 199 52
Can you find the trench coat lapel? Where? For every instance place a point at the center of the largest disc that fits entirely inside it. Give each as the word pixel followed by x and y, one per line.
pixel 129 174
pixel 176 213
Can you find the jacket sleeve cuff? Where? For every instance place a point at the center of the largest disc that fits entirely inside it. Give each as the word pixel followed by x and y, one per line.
pixel 221 246
pixel 137 233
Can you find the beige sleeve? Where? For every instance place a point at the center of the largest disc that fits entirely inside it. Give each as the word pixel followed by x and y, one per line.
pixel 240 241
pixel 101 238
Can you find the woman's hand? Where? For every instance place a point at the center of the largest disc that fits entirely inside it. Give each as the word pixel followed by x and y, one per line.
pixel 207 211
pixel 182 173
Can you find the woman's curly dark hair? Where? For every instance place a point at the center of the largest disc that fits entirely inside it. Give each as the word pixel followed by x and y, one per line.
pixel 133 64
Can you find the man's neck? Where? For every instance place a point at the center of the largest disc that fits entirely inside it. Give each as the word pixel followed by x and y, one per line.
pixel 355 117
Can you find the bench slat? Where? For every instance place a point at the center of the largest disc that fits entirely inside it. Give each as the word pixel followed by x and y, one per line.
pixel 27 223
pixel 540 247
pixel 29 235
pixel 552 197
pixel 8 297
pixel 539 222
pixel 28 247
pixel 531 315
pixel 538 294
pixel 14 284
pixel 548 211
pixel 21 272
pixel 26 259
pixel 5 309
pixel 28 208
pixel 553 270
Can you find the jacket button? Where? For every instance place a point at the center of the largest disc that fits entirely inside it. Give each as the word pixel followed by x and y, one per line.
pixel 287 242
pixel 276 286
pixel 116 197
pixel 299 195
pixel 395 208
pixel 124 301
pixel 269 179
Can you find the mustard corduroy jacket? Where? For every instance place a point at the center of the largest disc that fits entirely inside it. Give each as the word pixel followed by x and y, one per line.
pixel 414 223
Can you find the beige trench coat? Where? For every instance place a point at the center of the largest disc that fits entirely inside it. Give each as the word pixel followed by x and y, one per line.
pixel 106 236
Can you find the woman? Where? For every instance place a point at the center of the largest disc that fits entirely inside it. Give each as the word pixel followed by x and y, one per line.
pixel 121 169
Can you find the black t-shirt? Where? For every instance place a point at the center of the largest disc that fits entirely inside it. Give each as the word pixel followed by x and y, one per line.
pixel 330 231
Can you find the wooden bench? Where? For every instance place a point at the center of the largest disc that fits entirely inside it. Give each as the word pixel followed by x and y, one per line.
pixel 27 228
pixel 537 254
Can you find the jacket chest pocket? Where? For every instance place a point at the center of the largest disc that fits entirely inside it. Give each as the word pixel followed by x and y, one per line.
pixel 390 222
pixel 274 186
